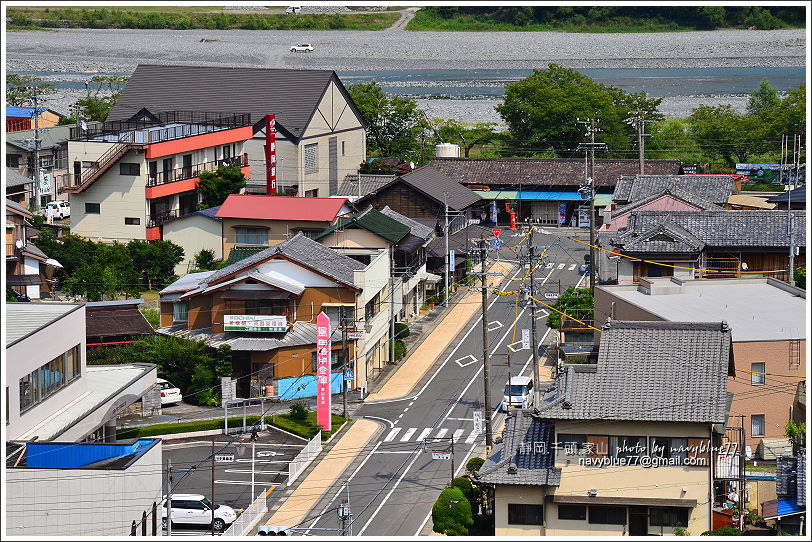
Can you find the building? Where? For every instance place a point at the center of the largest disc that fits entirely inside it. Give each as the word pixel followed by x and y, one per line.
pixel 115 322
pixel 52 395
pixel 573 466
pixel 18 187
pixel 321 134
pixel 29 271
pixel 196 231
pixel 705 244
pixel 129 177
pixel 281 290
pixel 768 322
pixel 544 190
pixel 22 118
pixel 357 185
pixel 795 198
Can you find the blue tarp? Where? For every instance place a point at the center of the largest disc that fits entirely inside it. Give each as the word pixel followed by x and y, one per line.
pixel 789 506
pixel 12 111
pixel 549 195
pixel 80 454
pixel 305 386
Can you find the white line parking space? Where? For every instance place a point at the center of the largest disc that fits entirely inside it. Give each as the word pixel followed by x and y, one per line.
pixel 496 324
pixel 468 360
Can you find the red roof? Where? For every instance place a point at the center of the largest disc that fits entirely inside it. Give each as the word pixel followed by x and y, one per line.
pixel 280 207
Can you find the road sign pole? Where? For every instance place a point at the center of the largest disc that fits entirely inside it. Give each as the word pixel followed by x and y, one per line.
pixel 212 486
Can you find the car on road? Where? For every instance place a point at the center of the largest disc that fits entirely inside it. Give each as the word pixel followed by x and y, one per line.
pixel 518 393
pixel 302 48
pixel 58 209
pixel 194 509
pixel 293 9
pixel 170 395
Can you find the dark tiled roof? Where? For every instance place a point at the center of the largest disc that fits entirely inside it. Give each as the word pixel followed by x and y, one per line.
pixel 545 171
pixel 240 252
pixel 374 221
pixel 649 371
pixel 519 460
pixel 713 188
pixel 369 183
pixel 33 250
pixel 798 196
pixel 15 178
pixel 292 95
pixel 417 229
pixel 722 228
pixel 11 204
pixel 436 184
pixel 302 250
pixel 663 237
pixel 300 334
pixel 103 322
pixel 460 242
pixel 677 192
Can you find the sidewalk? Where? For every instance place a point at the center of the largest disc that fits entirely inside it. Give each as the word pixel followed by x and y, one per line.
pixel 403 381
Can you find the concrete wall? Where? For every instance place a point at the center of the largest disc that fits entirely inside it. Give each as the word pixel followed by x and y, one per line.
pixel 278 230
pixel 33 352
pixel 47 502
pixel 375 278
pixel 516 495
pixel 194 233
pixel 354 238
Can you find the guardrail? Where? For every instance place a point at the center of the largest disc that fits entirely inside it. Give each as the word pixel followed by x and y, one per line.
pixel 305 457
pixel 249 518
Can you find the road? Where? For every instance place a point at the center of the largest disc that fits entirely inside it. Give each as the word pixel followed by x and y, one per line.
pixel 393 484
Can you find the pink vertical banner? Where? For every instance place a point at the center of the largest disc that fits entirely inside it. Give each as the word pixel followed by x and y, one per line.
pixel 323 372
pixel 270 154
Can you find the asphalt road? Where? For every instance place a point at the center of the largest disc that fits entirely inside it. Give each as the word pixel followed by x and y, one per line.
pixel 393 484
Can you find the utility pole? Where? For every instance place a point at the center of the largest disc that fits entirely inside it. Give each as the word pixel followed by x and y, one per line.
pixel 345 355
pixel 392 304
pixel 212 485
pixel 531 251
pixel 638 121
pixel 169 498
pixel 796 144
pixel 485 354
pixel 447 232
pixel 592 129
pixel 37 144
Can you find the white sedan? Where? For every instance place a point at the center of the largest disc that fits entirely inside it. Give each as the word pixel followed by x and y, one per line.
pixel 170 395
pixel 302 48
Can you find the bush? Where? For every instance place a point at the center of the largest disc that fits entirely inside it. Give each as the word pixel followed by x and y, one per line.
pixel 451 514
pixel 799 276
pixel 298 411
pixel 183 427
pixel 727 530
pixel 204 260
pixel 153 316
pixel 401 330
pixel 474 464
pixel 400 350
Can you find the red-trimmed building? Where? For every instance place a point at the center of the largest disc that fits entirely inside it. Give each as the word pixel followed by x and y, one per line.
pixel 129 177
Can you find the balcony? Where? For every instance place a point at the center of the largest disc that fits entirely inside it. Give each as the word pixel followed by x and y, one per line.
pixel 192 172
pixel 163 126
pixel 159 219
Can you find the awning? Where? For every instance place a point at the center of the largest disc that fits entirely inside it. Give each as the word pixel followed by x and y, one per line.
pixel 549 195
pixel 51 261
pixel 630 501
pixel 497 194
pixel 602 200
pixel 781 507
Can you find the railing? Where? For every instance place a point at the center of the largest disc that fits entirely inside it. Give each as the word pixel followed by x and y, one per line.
pixel 249 518
pixel 305 457
pixel 198 119
pixel 105 160
pixel 10 250
pixel 157 219
pixel 191 172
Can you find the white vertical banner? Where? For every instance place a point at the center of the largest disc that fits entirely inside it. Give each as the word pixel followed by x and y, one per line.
pixel 525 339
pixel 478 422
pixel 451 256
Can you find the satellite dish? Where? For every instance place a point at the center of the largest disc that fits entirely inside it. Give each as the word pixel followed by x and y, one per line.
pixel 744 266
pixel 411 165
pixel 19 244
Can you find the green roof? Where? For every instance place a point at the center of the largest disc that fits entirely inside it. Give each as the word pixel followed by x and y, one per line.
pixel 241 252
pixel 374 221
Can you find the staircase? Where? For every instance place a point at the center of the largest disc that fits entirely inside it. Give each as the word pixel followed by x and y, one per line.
pixel 104 163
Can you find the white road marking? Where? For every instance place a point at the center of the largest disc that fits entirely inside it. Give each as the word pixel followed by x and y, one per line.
pixel 470 359
pixel 561 265
pixel 391 491
pixel 392 434
pixel 263 461
pixel 394 452
pixel 232 482
pixel 457 434
pixel 494 325
pixel 512 345
pixel 406 409
pixel 424 433
pixel 572 267
pixel 256 472
pixel 472 437
pixel 549 265
pixel 461 419
pixel 408 434
pixel 391 424
pixel 441 433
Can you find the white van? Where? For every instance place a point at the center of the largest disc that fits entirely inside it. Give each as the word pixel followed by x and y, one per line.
pixel 518 393
pixel 58 208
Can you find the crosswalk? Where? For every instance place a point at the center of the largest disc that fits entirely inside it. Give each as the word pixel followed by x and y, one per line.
pixel 559 266
pixel 415 434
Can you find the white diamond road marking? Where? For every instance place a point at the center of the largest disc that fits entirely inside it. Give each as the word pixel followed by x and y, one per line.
pixel 512 349
pixel 561 265
pixel 493 326
pixel 441 433
pixel 408 434
pixel 472 437
pixel 572 267
pixel 467 360
pixel 424 433
pixel 457 434
pixel 544 313
pixel 392 434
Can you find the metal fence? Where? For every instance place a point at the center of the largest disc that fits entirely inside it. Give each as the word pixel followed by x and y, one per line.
pixel 249 518
pixel 305 457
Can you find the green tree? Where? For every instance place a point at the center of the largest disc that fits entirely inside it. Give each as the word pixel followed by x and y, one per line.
pixel 215 187
pixel 20 90
pixel 473 465
pixel 722 132
pixel 377 167
pixel 204 259
pixel 671 138
pixel 788 116
pixel 542 110
pixel 763 98
pixel 466 135
pixel 727 530
pixel 71 251
pixel 395 123
pixel 799 276
pixel 576 303
pixel 155 261
pixel 451 514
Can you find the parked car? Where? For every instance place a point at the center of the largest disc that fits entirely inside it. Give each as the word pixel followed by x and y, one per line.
pixel 170 395
pixel 58 208
pixel 293 9
pixel 518 393
pixel 302 48
pixel 192 509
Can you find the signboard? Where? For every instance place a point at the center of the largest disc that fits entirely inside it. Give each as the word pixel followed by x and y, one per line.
pixel 355 335
pixel 549 295
pixel 583 216
pixel 270 153
pixel 441 455
pixel 478 422
pixel 234 322
pixel 451 256
pixel 493 211
pixel 44 182
pixel 348 375
pixel 526 338
pixel 496 243
pixel 224 458
pixel 323 372
pixel 562 212
pixel 496 232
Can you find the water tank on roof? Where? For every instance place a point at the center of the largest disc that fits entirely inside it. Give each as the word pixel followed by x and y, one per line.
pixel 447 150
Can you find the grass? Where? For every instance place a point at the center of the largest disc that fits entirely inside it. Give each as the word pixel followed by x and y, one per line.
pixel 18 28
pixel 306 428
pixel 179 18
pixel 762 187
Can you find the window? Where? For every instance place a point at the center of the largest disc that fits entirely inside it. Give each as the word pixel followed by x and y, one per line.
pixel 130 221
pixel 312 193
pixel 757 379
pixel 50 378
pixel 571 511
pixel 311 158
pixel 607 515
pixel 336 314
pixel 129 169
pixel 92 208
pixel 757 425
pixel 29 391
pixel 668 517
pixel 73 364
pixel 336 362
pixel 310 234
pixel 343 149
pixel 669 447
pixel 252 236
pixel 266 307
pixel 180 311
pixel 627 446
pixel 13 160
pixel 373 307
pixel 86 164
pixel 570 445
pixel 525 514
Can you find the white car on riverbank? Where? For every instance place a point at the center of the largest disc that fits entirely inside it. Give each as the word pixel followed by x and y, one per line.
pixel 302 48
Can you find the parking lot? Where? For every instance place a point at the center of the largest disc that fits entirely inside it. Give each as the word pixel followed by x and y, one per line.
pixel 231 479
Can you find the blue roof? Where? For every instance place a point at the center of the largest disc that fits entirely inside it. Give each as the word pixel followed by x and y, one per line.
pixel 798 196
pixel 80 454
pixel 13 111
pixel 210 212
pixel 788 506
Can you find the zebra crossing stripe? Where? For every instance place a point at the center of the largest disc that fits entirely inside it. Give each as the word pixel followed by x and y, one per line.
pixel 457 434
pixel 441 433
pixel 572 267
pixel 424 433
pixel 408 434
pixel 392 434
pixel 561 265
pixel 471 438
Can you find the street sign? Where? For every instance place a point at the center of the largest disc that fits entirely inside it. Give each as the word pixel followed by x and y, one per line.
pixel 526 338
pixel 348 375
pixel 224 458
pixel 478 422
pixel 496 231
pixel 355 335
pixel 323 346
pixel 496 243
pixel 451 256
pixel 441 455
pixel 550 295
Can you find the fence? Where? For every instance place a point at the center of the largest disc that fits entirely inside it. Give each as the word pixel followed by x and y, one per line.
pixel 249 518
pixel 305 457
